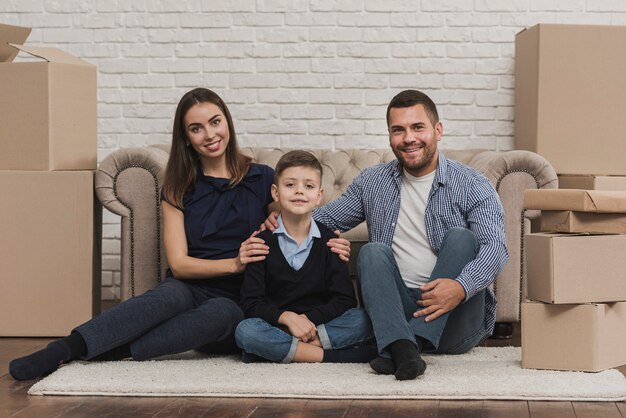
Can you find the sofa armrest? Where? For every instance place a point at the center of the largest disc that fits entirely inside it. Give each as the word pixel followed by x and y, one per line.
pixel 511 173
pixel 128 183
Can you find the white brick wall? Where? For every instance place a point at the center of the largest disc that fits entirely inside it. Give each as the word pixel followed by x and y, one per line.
pixel 297 73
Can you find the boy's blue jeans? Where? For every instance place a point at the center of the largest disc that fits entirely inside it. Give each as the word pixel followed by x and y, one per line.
pixel 390 303
pixel 258 337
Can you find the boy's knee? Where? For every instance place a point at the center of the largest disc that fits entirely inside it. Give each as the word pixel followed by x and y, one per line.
pixel 245 332
pixel 358 316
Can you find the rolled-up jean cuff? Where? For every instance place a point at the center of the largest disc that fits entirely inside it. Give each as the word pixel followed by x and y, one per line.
pixel 292 351
pixel 323 336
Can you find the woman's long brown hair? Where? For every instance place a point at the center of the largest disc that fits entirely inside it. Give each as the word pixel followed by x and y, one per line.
pixel 180 172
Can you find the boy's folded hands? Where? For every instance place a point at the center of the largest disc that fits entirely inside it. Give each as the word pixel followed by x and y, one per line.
pixel 299 326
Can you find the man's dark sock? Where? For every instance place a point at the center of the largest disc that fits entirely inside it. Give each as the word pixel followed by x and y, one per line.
pixel 118 353
pixel 47 360
pixel 406 357
pixel 383 365
pixel 350 355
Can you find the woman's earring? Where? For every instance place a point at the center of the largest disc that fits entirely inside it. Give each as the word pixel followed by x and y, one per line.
pixel 187 144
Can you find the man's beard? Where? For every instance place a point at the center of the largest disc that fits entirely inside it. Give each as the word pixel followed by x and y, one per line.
pixel 428 154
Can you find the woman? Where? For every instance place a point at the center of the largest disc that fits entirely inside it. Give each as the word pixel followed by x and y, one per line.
pixel 213 199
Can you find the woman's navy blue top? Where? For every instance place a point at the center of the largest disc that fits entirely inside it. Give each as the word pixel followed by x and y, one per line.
pixel 219 218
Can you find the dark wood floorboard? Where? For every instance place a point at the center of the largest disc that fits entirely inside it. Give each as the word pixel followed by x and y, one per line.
pixel 395 408
pixel 189 408
pixel 506 409
pixel 551 409
pixel 15 402
pixel 596 409
pixel 460 409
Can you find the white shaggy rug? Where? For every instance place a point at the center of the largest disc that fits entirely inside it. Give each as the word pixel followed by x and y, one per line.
pixel 484 373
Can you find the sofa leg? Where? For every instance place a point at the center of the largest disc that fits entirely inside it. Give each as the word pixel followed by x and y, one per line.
pixel 503 331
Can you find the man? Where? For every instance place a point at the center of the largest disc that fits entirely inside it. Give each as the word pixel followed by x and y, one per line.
pixel 437 242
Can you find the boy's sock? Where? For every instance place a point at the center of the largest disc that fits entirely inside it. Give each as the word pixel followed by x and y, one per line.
pixel 350 355
pixel 383 365
pixel 406 357
pixel 118 353
pixel 47 360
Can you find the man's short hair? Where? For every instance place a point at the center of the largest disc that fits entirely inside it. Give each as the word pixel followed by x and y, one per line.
pixel 409 98
pixel 296 158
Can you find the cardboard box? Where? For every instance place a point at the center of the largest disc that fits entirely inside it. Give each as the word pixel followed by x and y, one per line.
pixel 569 96
pixel 588 337
pixel 575 268
pixel 577 222
pixel 50 246
pixel 597 201
pixel 47 108
pixel 615 183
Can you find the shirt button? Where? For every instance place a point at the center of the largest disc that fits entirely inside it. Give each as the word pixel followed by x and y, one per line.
pixel 393 224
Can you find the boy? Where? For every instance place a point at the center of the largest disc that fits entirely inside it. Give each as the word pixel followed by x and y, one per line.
pixel 299 301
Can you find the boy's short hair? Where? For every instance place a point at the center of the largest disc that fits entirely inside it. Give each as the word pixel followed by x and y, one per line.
pixel 296 158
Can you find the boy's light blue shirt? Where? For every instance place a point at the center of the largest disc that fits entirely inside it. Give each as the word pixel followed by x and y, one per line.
pixel 294 254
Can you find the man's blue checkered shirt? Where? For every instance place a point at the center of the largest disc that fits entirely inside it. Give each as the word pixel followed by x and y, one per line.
pixel 459 197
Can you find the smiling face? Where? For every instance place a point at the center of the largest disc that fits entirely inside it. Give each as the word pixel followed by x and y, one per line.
pixel 413 139
pixel 207 132
pixel 298 190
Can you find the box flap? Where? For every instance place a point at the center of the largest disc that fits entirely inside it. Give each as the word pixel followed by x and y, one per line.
pixel 51 54
pixel 598 201
pixel 11 34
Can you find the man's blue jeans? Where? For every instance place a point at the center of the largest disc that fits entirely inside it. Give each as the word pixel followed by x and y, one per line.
pixel 258 337
pixel 391 304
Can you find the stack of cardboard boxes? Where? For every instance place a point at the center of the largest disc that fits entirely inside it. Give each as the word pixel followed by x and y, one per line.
pixel 569 103
pixel 576 279
pixel 49 219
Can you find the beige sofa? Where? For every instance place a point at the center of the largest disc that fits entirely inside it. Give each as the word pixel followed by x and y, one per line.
pixel 128 183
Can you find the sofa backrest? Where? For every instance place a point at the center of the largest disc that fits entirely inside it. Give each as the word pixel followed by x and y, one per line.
pixel 342 166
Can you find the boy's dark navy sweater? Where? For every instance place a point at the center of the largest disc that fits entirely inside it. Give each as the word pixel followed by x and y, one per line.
pixel 322 289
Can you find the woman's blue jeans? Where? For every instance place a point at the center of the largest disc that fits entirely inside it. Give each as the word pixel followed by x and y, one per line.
pixel 174 317
pixel 390 304
pixel 258 337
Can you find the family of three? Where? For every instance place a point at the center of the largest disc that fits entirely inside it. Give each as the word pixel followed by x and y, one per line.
pixel 436 243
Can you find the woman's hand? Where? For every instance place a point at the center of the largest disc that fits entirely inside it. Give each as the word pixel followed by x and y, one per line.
pixel 271 222
pixel 299 326
pixel 253 249
pixel 340 246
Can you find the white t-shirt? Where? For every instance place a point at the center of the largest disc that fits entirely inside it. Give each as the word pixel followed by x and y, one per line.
pixel 410 246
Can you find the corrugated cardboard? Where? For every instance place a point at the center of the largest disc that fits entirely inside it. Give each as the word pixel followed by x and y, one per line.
pixel 576 222
pixel 50 279
pixel 47 108
pixel 569 96
pixel 615 183
pixel 575 268
pixel 589 337
pixel 598 201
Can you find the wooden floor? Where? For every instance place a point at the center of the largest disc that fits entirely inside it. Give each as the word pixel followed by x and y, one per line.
pixel 14 402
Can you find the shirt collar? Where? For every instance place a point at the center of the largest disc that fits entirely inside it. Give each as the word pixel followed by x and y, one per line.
pixel 314 231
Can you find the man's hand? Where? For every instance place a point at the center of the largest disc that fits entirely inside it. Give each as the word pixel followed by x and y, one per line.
pixel 438 297
pixel 340 246
pixel 271 222
pixel 299 326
